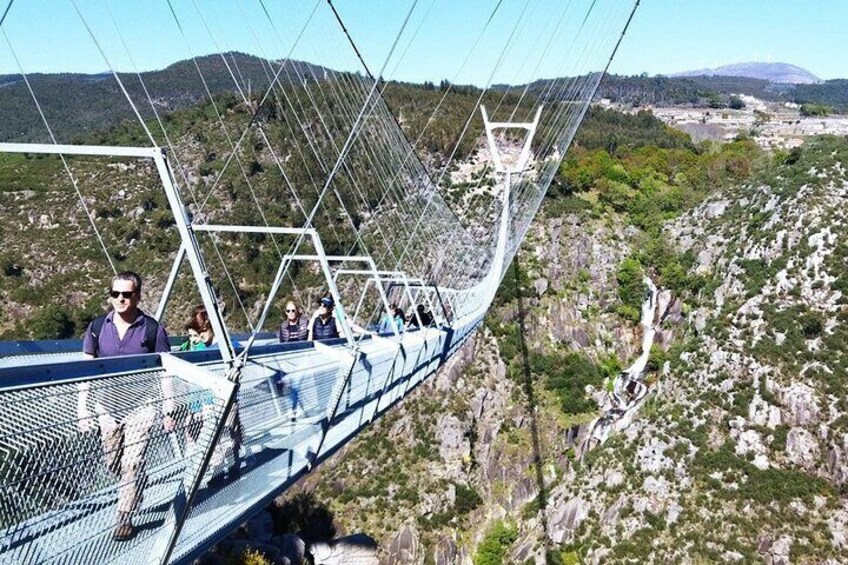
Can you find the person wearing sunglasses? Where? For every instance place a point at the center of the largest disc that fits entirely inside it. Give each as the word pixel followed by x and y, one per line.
pixel 296 326
pixel 124 414
pixel 126 330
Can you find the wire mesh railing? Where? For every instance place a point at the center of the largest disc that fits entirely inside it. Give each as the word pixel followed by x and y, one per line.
pixel 85 464
pixel 133 441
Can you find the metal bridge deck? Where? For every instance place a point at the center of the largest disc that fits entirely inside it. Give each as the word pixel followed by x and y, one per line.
pixel 283 405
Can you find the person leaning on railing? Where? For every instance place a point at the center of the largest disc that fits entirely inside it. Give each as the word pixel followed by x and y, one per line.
pixel 125 330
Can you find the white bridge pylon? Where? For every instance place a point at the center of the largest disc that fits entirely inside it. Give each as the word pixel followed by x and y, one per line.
pixel 521 162
pixel 518 166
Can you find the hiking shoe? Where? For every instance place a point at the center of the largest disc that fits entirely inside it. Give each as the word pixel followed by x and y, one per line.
pixel 124 529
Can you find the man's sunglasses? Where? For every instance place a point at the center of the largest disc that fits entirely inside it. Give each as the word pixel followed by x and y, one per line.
pixel 125 294
pixel 290 310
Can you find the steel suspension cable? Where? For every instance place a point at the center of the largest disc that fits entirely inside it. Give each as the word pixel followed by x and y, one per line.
pixel 355 129
pixel 387 134
pixel 67 168
pixel 114 74
pixel 269 72
pixel 565 138
pixel 411 150
pixel 276 78
pixel 6 12
pixel 470 117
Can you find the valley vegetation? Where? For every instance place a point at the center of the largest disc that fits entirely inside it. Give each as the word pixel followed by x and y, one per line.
pixel 740 452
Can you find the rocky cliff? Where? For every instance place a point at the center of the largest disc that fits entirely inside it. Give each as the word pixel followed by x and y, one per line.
pixel 738 451
pixel 482 445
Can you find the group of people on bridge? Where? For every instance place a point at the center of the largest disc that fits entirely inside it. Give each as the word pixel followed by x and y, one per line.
pixel 127 330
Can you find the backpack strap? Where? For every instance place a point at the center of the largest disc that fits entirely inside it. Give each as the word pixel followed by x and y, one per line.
pixel 96 328
pixel 151 329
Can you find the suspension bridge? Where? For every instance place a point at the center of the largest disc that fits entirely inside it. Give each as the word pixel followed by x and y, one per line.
pixel 331 189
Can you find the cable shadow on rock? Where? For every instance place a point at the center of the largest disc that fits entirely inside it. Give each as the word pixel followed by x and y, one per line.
pixel 542 498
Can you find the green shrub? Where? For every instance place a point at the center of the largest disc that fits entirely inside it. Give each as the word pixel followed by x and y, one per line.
pixel 567 376
pixel 562 206
pixel 496 544
pixel 629 313
pixel 631 287
pixel 814 110
pixel 656 359
pixel 467 499
pixel 762 486
pixel 811 326
pixel 253 557
pixel 52 322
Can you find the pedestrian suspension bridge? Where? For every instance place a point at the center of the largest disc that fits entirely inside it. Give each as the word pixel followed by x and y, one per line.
pixel 328 184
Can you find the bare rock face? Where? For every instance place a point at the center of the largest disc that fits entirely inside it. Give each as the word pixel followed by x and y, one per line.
pixel 527 550
pixel 358 549
pixel 837 523
pixel 837 461
pixel 751 442
pixel 565 519
pixel 610 515
pixel 761 413
pixel 445 553
pixel 580 337
pixel 454 440
pixel 651 458
pixel 715 209
pixel 450 373
pixel 664 299
pixel 802 448
pixel 778 551
pixel 291 547
pixel 540 285
pixel 801 405
pixel 405 547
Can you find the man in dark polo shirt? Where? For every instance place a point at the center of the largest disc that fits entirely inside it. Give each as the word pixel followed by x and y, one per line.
pixel 124 417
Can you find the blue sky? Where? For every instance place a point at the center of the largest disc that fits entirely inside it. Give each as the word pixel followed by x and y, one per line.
pixel 665 36
pixel 677 35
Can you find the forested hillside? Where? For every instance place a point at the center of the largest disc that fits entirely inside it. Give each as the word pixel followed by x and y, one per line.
pixel 716 91
pixel 53 267
pixel 76 105
pixel 84 103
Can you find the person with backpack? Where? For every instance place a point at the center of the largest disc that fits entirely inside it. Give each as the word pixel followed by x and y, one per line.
pixel 124 420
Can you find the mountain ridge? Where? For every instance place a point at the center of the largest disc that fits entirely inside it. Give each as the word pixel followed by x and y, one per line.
pixel 783 73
